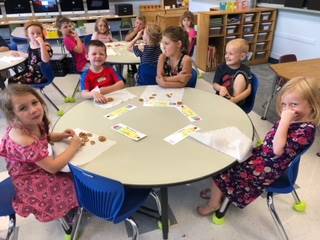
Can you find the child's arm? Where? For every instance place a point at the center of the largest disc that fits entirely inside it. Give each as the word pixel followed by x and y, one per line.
pixel 131 35
pixel 116 86
pixel 79 47
pixel 135 39
pixel 95 95
pixel 54 165
pixel 44 50
pixel 57 137
pixel 243 95
pixel 281 135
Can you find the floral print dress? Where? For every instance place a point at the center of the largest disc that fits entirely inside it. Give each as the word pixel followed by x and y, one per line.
pixel 47 196
pixel 246 181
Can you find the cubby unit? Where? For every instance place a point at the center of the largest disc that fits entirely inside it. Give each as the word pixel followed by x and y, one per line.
pixel 217 28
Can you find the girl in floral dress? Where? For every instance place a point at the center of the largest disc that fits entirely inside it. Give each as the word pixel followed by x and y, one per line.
pixel 298 104
pixel 41 189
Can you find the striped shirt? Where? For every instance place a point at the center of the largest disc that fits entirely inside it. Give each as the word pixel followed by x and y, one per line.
pixel 150 54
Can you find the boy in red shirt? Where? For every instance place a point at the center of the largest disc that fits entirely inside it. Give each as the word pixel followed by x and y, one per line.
pixel 99 80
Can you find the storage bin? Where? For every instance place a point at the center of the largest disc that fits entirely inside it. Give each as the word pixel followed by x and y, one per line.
pixel 265 27
pixel 215 30
pixel 260 55
pixel 249 17
pixel 229 38
pixel 248 28
pixel 265 16
pixel 231 29
pixel 248 37
pixel 262 36
pixel 260 46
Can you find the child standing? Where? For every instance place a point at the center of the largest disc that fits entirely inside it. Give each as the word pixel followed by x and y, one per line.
pixel 40 188
pixel 102 31
pixel 298 104
pixel 149 52
pixel 39 52
pixel 72 42
pixel 187 23
pixel 233 79
pixel 174 66
pixel 99 79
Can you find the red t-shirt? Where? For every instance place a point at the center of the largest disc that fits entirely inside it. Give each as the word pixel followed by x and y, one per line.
pixel 105 78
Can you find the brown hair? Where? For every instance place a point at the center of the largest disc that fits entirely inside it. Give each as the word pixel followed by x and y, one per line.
pixel 154 33
pixel 190 16
pixel 97 43
pixel 33 23
pixel 61 20
pixel 142 19
pixel 6 104
pixel 105 22
pixel 308 88
pixel 176 34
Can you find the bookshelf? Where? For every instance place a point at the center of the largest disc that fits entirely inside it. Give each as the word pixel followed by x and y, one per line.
pixel 216 28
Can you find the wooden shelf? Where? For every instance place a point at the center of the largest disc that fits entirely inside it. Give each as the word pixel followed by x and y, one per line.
pixel 256 25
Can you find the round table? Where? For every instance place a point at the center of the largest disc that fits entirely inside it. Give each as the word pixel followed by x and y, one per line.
pixel 152 162
pixel 7 60
pixel 119 53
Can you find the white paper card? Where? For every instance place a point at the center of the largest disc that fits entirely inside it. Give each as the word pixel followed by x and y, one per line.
pixel 181 134
pixel 189 113
pixel 230 141
pixel 118 97
pixel 128 132
pixel 120 111
pixel 159 94
pixel 86 153
pixel 111 52
pixel 9 59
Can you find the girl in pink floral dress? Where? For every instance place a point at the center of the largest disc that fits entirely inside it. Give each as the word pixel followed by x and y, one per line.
pixel 41 189
pixel 298 103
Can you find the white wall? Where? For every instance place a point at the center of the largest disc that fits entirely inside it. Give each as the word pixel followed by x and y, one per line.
pixel 202 5
pixel 297 33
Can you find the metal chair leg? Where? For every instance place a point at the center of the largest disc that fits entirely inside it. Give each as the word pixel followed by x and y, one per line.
pixel 75 230
pixel 275 216
pixel 12 227
pixel 157 200
pixel 218 218
pixel 275 84
pixel 47 97
pixel 135 231
pixel 58 89
pixel 76 89
pixel 295 196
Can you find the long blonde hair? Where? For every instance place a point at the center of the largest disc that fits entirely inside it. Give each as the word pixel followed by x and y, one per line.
pixel 309 90
pixel 6 104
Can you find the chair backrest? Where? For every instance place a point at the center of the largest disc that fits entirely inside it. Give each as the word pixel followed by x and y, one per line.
pixel 87 40
pixel 248 106
pixel 147 74
pixel 101 196
pixel 193 81
pixel 288 58
pixel 7 193
pixel 47 71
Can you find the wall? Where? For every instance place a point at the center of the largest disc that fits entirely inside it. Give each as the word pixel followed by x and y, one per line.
pixel 202 5
pixel 297 33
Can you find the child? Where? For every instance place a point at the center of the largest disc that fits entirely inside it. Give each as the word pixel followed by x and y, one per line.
pixel 233 79
pixel 3 74
pixel 298 104
pixel 187 23
pixel 139 25
pixel 72 42
pixel 99 79
pixel 174 66
pixel 39 52
pixel 40 188
pixel 102 31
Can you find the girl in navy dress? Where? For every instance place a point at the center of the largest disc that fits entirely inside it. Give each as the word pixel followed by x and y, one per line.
pixel 298 105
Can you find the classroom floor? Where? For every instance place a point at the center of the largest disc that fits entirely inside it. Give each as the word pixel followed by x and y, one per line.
pixel 251 223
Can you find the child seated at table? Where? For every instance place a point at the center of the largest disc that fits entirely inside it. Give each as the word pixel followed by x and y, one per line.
pixel 99 79
pixel 150 50
pixel 174 66
pixel 72 42
pixel 187 23
pixel 232 79
pixel 102 31
pixel 3 74
pixel 39 52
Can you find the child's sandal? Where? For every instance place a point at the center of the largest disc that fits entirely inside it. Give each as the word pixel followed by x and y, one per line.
pixel 205 193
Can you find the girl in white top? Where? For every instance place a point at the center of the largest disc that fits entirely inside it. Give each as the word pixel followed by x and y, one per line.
pixel 102 31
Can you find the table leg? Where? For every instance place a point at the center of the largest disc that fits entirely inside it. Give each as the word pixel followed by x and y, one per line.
pixel 274 90
pixel 164 213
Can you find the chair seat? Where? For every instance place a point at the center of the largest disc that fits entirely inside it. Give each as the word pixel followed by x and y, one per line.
pixel 8 192
pixel 132 202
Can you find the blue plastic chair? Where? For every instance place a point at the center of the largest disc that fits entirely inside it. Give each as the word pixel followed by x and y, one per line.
pixel 107 199
pixel 285 184
pixel 248 106
pixel 147 74
pixel 7 193
pixel 193 81
pixel 47 71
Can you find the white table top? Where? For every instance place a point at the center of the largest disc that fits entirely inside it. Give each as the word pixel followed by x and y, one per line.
pixel 18 32
pixel 152 161
pixel 119 53
pixel 7 60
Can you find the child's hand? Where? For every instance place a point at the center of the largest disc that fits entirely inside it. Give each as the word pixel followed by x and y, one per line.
pixel 75 142
pixel 40 40
pixel 68 133
pixel 139 34
pixel 288 115
pixel 224 92
pixel 99 98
